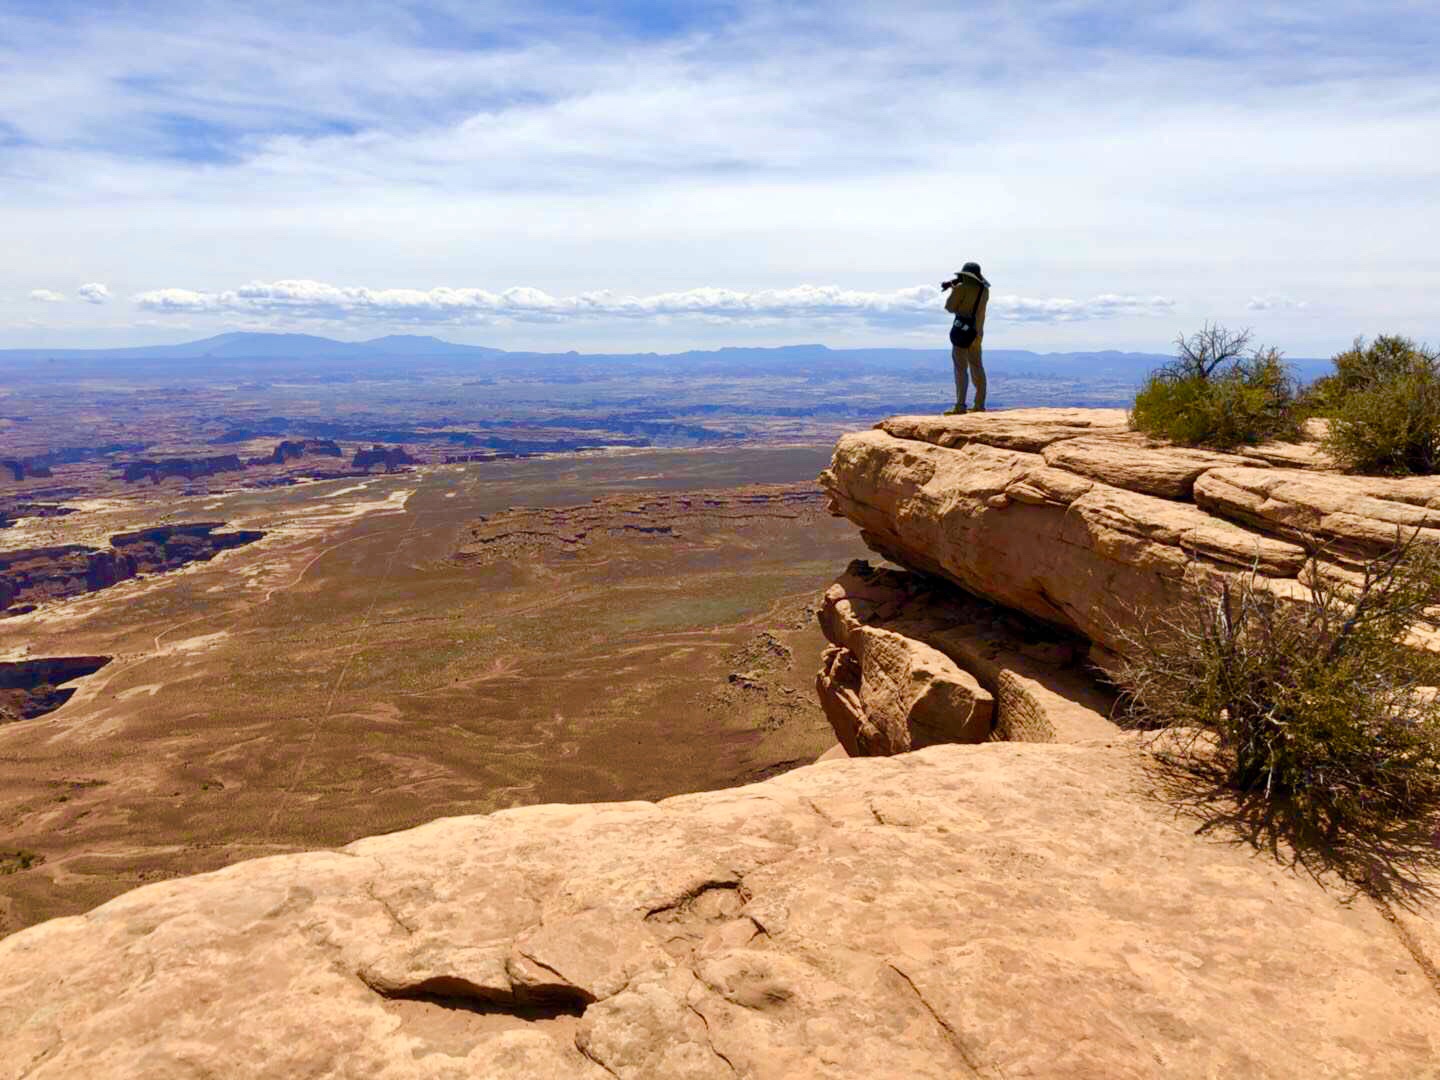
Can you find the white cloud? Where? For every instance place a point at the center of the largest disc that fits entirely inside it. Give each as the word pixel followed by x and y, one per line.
pixel 1276 303
pixel 1107 306
pixel 747 142
pixel 93 293
pixel 318 300
pixel 47 296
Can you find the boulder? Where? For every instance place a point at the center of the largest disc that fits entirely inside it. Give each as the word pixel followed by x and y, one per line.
pixel 886 692
pixel 900 693
pixel 992 911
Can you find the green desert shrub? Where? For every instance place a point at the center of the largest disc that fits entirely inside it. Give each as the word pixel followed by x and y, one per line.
pixel 1316 703
pixel 1218 392
pixel 1383 405
pixel 12 862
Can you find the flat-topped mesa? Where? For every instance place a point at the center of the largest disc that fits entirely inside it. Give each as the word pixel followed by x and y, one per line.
pixel 1067 516
pixel 18 469
pixel 387 457
pixel 294 449
pixel 186 468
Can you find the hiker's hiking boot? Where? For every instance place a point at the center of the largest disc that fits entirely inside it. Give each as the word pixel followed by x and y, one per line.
pixel 958 410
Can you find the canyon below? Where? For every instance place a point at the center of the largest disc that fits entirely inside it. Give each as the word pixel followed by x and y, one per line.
pixel 384 650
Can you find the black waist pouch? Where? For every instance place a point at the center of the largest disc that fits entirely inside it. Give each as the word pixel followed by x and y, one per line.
pixel 962 333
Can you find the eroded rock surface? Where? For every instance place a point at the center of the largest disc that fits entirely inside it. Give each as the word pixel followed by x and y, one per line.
pixel 1353 517
pixel 388 458
pixel 1065 516
pixel 994 911
pixel 30 688
pixel 187 468
pixel 31 575
pixel 521 532
pixel 915 662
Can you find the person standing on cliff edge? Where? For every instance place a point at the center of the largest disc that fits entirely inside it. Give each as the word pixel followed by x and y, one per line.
pixel 969 294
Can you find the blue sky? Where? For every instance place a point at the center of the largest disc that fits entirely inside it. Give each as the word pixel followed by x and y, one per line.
pixel 653 176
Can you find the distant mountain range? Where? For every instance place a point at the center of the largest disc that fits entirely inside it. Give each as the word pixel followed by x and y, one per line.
pixel 258 346
pixel 235 352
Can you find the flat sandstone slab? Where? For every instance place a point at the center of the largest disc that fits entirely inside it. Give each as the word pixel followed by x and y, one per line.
pixel 993 911
pixel 1136 463
pixel 1356 515
pixel 1030 430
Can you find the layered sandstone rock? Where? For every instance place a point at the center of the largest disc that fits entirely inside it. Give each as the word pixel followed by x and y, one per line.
pixel 914 662
pixel 32 575
pixel 991 911
pixel 1064 515
pixel 1350 516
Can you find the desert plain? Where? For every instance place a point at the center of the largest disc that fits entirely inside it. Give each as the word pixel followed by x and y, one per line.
pixel 405 646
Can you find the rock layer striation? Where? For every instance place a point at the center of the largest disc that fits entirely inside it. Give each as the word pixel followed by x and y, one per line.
pixel 1067 516
pixel 915 662
pixel 29 576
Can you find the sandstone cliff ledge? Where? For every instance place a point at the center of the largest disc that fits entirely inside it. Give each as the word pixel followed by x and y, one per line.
pixel 1067 516
pixel 996 911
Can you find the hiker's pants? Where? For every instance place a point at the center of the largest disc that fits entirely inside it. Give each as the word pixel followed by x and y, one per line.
pixel 968 366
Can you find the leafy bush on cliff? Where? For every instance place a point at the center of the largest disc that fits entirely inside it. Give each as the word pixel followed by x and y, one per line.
pixel 1317 703
pixel 1383 403
pixel 1218 392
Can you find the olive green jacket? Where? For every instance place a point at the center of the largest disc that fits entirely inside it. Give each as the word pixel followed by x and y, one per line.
pixel 962 298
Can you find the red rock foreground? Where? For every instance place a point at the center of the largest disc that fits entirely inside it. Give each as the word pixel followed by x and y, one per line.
pixel 1005 910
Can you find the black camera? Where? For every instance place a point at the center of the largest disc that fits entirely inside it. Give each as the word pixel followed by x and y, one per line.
pixel 945 286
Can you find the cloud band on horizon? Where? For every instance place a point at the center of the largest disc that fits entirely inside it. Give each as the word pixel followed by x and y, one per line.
pixel 303 299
